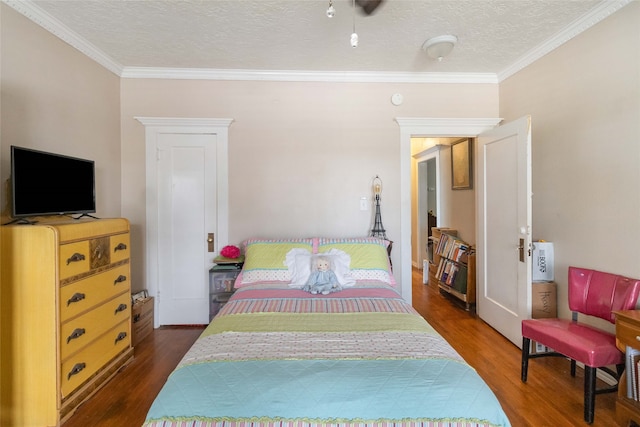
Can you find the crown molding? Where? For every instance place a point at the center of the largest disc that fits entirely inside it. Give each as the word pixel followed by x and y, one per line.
pixel 305 76
pixel 30 10
pixel 603 10
pixel 64 33
pixel 57 28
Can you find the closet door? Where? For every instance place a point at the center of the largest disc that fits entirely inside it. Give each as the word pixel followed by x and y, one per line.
pixel 187 199
pixel 186 216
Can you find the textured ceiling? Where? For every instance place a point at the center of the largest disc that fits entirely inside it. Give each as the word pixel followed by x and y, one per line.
pixel 296 35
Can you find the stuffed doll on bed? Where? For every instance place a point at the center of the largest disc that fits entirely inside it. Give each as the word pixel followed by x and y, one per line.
pixel 322 279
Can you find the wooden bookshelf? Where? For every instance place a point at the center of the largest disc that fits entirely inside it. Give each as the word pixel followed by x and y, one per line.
pixel 456 268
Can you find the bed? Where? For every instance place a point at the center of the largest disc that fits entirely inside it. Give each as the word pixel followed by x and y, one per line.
pixel 278 355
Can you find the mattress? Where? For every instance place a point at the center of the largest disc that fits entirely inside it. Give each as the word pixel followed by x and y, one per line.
pixel 279 356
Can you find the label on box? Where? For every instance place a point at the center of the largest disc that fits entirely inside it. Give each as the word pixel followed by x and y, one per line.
pixel 544 300
pixel 542 262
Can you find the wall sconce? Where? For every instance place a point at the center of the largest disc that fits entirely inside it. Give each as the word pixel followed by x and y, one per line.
pixel 378 229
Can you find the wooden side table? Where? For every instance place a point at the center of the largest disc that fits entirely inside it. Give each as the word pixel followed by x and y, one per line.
pixel 627 334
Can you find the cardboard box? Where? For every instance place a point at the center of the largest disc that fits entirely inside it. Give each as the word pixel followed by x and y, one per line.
pixel 544 300
pixel 544 303
pixel 542 262
pixel 537 348
pixel 141 320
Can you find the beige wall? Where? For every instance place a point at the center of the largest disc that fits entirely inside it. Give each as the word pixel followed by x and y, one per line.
pixel 300 154
pixel 584 99
pixel 56 99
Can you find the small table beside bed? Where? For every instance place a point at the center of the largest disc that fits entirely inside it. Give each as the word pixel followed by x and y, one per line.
pixel 358 355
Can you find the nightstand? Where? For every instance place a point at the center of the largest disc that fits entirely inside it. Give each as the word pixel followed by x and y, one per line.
pixel 627 334
pixel 221 280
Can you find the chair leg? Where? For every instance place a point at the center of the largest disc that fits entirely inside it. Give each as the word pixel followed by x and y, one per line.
pixel 573 368
pixel 526 343
pixel 620 370
pixel 589 393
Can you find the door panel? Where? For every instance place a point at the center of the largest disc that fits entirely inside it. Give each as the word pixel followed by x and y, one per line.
pixel 504 217
pixel 187 213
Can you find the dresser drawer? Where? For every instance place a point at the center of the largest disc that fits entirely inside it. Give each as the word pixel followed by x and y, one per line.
pixel 82 330
pixel 87 293
pixel 628 332
pixel 75 258
pixel 120 248
pixel 78 368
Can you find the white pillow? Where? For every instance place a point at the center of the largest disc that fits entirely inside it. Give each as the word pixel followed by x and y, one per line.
pixel 299 262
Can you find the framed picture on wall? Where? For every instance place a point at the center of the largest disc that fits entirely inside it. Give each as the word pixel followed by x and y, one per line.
pixel 461 163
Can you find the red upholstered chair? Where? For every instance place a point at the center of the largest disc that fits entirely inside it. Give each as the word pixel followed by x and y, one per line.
pixel 592 293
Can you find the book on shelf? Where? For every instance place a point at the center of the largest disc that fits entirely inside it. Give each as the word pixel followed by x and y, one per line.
pixel 632 371
pixel 447 271
pixel 452 247
pixel 637 377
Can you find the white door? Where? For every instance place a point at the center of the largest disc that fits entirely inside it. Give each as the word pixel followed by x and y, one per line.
pixel 187 198
pixel 186 215
pixel 504 227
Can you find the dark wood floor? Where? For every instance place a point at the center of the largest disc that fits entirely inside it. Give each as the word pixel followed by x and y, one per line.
pixel 551 396
pixel 125 400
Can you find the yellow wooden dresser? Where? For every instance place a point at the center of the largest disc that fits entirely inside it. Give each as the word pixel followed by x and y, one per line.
pixel 66 316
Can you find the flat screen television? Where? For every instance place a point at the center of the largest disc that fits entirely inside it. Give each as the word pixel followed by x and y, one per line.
pixel 51 184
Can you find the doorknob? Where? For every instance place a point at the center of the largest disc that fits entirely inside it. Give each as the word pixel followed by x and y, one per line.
pixel 210 242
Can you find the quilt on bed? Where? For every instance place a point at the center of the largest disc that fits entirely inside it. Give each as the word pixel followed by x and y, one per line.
pixel 276 356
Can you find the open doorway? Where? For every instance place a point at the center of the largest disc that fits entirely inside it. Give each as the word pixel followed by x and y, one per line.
pixel 435 201
pixel 425 128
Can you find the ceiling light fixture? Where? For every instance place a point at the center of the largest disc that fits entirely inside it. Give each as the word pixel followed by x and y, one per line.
pixel 439 47
pixel 331 11
pixel 354 36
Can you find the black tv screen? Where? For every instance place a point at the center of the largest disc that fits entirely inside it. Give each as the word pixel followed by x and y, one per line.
pixel 51 184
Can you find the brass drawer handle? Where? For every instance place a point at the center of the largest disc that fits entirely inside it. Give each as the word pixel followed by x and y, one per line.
pixel 77 368
pixel 77 333
pixel 120 247
pixel 75 298
pixel 120 337
pixel 120 279
pixel 637 337
pixel 136 318
pixel 75 258
pixel 121 307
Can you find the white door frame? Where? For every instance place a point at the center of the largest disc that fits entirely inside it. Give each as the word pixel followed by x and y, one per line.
pixel 423 157
pixel 159 125
pixel 425 127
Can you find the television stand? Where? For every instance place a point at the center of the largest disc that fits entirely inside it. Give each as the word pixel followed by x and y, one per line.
pixel 86 215
pixel 22 221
